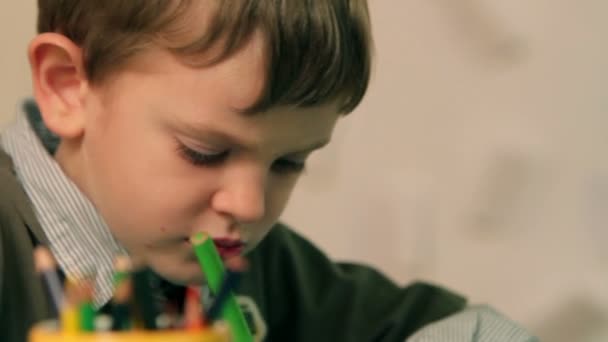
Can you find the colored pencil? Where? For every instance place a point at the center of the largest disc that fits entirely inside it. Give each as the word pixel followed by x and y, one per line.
pixel 144 299
pixel 86 309
pixel 123 289
pixel 47 267
pixel 69 316
pixel 213 269
pixel 236 266
pixel 193 319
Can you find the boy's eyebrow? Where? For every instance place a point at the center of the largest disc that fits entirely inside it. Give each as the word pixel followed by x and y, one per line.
pixel 212 133
pixel 313 146
pixel 215 134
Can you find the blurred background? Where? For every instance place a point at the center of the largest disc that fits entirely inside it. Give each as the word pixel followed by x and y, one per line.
pixel 477 160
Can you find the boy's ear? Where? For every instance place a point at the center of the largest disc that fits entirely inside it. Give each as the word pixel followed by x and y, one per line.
pixel 59 83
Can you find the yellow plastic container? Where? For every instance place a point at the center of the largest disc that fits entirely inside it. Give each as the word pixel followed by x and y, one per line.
pixel 48 332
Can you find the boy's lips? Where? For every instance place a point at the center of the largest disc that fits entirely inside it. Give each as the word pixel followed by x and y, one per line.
pixel 229 248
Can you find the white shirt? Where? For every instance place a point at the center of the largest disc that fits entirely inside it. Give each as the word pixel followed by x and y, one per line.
pixel 79 238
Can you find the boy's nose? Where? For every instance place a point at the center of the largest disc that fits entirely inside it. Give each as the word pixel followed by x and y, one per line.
pixel 242 197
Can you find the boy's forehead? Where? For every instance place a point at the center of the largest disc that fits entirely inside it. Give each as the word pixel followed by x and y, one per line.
pixel 231 86
pixel 238 80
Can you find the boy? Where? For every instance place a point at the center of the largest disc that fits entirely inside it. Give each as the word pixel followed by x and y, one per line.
pixel 157 119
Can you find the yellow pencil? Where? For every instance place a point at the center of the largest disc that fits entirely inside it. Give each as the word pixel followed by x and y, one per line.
pixel 70 322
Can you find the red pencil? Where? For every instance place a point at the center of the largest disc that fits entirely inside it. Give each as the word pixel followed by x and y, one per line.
pixel 193 319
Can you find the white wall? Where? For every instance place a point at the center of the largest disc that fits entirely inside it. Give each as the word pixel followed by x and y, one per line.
pixel 17 26
pixel 476 160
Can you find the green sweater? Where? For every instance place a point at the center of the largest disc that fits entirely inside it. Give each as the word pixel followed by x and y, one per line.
pixel 301 294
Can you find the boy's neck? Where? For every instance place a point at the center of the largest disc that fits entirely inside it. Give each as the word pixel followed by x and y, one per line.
pixel 67 156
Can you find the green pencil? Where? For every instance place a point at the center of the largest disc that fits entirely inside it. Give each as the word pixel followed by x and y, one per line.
pixel 213 269
pixel 86 308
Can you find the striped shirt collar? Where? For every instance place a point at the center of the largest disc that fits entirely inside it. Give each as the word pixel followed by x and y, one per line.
pixel 79 238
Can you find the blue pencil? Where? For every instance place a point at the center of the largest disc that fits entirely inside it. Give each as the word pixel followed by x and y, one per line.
pixel 46 266
pixel 231 281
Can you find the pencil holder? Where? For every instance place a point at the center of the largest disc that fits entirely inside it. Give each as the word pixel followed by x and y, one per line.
pixel 49 332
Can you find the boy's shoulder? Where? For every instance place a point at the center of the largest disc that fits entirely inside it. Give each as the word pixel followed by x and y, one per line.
pixel 303 282
pixel 12 222
pixel 9 186
pixel 16 212
pixel 21 296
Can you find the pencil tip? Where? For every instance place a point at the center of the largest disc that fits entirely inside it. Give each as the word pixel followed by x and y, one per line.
pixel 198 238
pixel 122 263
pixel 43 259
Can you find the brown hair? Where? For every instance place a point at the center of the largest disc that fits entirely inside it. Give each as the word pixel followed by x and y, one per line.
pixel 317 50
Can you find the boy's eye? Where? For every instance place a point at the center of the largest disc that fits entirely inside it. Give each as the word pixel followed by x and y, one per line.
pixel 197 158
pixel 287 166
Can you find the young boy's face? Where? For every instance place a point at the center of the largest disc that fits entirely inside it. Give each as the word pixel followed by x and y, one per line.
pixel 165 152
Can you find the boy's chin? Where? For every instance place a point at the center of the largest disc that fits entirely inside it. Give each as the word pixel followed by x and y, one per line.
pixel 186 274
